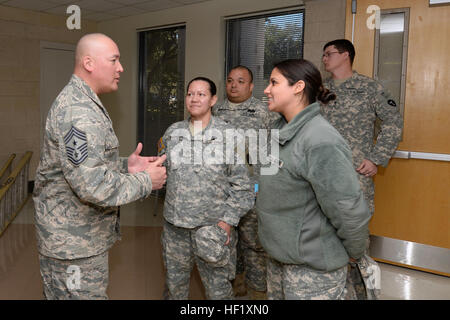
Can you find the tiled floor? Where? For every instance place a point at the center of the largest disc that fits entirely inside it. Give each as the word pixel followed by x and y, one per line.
pixel 136 269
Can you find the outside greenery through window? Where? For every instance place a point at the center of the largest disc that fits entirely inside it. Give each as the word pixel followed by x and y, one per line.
pixel 161 83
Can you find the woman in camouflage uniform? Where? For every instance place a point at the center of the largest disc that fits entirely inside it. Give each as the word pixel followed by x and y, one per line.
pixel 202 190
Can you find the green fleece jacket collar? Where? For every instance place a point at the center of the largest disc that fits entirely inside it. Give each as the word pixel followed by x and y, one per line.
pixel 290 129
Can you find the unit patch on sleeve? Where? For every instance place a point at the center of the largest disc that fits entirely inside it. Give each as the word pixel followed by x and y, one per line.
pixel 76 146
pixel 391 103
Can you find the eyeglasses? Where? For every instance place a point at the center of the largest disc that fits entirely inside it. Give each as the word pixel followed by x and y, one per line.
pixel 328 54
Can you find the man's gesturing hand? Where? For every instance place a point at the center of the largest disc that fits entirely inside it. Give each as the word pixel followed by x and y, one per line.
pixel 137 163
pixel 157 172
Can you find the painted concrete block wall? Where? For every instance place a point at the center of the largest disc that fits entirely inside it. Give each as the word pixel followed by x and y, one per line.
pixel 324 21
pixel 20 34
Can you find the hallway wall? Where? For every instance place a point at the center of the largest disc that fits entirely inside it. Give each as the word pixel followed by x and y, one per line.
pixel 205 46
pixel 21 32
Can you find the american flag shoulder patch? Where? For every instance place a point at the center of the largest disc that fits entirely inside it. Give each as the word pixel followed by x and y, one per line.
pixel 161 145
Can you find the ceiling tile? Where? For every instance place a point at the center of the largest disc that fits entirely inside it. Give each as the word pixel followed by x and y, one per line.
pixel 29 4
pixel 156 5
pixel 68 2
pixel 59 10
pixel 98 5
pixel 100 16
pixel 189 1
pixel 128 2
pixel 62 10
pixel 99 10
pixel 126 11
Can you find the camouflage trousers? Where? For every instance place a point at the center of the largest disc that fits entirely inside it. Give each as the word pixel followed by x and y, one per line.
pixel 355 287
pixel 179 256
pixel 299 282
pixel 368 189
pixel 251 255
pixel 77 279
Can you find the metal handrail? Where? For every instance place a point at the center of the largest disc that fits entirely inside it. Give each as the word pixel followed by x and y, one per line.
pixel 7 165
pixel 14 192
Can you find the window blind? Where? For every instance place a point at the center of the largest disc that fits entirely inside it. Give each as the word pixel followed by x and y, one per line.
pixel 260 41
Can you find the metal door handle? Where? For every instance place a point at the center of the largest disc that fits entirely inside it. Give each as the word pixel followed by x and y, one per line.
pixel 421 155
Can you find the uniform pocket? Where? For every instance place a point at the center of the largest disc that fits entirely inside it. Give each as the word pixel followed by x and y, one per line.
pixel 280 236
pixel 111 147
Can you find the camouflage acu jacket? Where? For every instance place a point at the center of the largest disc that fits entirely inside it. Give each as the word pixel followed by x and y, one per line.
pixel 251 114
pixel 200 190
pixel 81 179
pixel 360 100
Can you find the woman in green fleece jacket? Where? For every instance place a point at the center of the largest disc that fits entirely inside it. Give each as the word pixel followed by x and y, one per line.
pixel 312 216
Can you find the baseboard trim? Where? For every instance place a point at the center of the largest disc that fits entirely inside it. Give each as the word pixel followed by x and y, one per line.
pixel 411 254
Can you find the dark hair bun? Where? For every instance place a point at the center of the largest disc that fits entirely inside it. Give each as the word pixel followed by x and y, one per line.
pixel 325 95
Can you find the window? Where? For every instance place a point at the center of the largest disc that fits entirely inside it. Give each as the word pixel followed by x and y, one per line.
pixel 391 51
pixel 259 42
pixel 161 83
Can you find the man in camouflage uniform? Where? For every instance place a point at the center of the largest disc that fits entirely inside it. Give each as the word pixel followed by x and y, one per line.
pixel 360 101
pixel 201 193
pixel 81 180
pixel 243 111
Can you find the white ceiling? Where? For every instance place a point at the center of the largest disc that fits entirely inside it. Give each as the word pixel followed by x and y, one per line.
pixel 98 10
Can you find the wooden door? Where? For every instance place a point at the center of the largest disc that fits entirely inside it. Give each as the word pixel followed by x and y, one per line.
pixel 412 197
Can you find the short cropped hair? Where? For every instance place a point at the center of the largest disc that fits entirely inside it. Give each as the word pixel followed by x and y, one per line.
pixel 343 45
pixel 245 68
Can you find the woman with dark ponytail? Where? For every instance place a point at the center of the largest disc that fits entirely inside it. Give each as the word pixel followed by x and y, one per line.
pixel 312 216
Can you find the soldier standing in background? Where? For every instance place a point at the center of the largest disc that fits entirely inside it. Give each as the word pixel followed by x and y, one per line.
pixel 81 180
pixel 360 101
pixel 243 111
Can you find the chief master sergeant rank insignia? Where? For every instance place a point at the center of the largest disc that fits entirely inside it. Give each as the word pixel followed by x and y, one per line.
pixel 76 146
